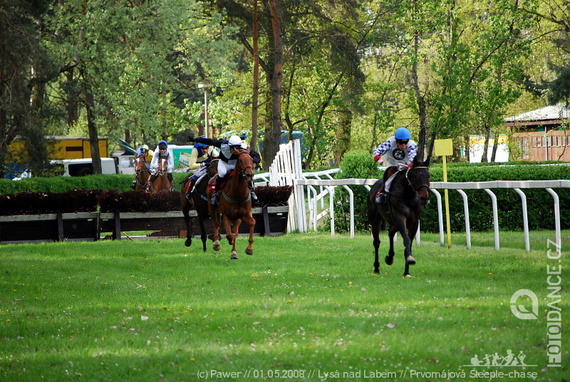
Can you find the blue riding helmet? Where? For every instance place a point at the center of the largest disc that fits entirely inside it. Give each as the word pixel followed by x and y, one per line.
pixel 162 145
pixel 403 134
pixel 199 146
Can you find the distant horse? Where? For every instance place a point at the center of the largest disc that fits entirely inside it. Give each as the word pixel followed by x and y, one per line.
pixel 199 202
pixel 142 173
pixel 234 205
pixel 161 182
pixel 409 194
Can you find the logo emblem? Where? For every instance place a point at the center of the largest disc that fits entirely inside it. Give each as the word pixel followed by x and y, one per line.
pixel 522 311
pixel 398 154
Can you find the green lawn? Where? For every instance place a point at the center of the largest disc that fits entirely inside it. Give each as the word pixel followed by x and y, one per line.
pixel 304 307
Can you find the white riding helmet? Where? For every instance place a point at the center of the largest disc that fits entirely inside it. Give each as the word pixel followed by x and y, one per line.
pixel 234 141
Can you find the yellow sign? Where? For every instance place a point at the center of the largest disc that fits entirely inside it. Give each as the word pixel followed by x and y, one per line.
pixel 443 147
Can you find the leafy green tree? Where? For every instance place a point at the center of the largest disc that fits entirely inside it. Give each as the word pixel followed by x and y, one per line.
pixel 25 67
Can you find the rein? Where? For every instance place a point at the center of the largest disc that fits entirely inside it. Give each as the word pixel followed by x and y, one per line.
pixel 242 173
pixel 236 200
pixel 410 183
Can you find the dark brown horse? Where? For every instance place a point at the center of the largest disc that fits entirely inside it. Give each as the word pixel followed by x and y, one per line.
pixel 409 194
pixel 234 206
pixel 142 173
pixel 199 202
pixel 161 182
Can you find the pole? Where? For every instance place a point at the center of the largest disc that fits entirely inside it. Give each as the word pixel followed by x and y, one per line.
pixel 446 196
pixel 443 148
pixel 206 126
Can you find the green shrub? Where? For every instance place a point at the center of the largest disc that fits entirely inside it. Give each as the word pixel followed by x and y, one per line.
pixel 355 164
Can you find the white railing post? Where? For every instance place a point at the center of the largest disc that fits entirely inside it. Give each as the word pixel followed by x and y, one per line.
pixel 556 219
pixel 525 218
pixel 467 221
pixel 495 217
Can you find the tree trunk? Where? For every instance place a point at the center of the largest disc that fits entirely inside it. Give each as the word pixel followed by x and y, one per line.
pixel 342 136
pixel 495 147
pixel 255 95
pixel 273 132
pixel 467 148
pixel 484 158
pixel 93 136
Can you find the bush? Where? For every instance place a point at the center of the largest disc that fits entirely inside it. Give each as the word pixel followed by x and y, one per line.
pixel 355 164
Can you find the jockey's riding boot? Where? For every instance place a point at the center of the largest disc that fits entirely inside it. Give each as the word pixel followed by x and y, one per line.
pixel 214 198
pixel 380 198
pixel 216 194
pixel 253 196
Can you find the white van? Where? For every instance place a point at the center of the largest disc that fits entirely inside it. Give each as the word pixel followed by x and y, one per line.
pixel 84 166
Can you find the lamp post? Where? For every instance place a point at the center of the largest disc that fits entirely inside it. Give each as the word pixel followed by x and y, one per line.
pixel 205 86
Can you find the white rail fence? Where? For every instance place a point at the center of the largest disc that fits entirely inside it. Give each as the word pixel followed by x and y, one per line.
pixel 311 190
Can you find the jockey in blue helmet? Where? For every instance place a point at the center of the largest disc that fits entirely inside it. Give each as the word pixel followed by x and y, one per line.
pixel 399 150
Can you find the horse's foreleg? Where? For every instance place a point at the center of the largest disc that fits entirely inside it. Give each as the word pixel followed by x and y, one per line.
pixel 251 222
pixel 376 243
pixel 231 234
pixel 188 223
pixel 402 228
pixel 391 234
pixel 412 230
pixel 215 229
pixel 203 235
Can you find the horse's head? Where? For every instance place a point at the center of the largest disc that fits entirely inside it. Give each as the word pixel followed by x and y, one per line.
pixel 244 166
pixel 213 168
pixel 162 165
pixel 140 164
pixel 418 177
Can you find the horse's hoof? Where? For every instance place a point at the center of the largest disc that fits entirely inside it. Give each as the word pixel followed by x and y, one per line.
pixel 216 246
pixel 389 260
pixel 410 260
pixel 234 256
pixel 408 276
pixel 188 243
pixel 249 251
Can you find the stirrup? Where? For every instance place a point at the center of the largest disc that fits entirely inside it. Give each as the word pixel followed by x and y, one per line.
pixel 253 196
pixel 214 199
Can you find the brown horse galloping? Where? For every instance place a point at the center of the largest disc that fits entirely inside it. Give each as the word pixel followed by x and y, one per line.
pixel 142 173
pixel 234 205
pixel 199 202
pixel 409 194
pixel 161 182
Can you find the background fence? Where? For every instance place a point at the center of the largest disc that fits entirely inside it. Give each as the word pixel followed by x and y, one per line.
pixel 313 198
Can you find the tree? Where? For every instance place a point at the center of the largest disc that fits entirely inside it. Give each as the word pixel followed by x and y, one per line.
pixel 25 67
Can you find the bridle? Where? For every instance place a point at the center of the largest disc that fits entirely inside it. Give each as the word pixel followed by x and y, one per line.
pixel 242 172
pixel 138 171
pixel 423 185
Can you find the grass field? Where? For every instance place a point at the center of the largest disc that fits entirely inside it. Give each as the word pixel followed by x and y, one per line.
pixel 304 307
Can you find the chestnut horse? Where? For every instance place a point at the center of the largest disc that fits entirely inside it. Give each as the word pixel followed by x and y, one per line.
pixel 199 202
pixel 161 182
pixel 234 205
pixel 142 173
pixel 409 194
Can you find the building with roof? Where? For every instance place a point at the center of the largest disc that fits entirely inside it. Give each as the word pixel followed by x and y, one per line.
pixel 542 134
